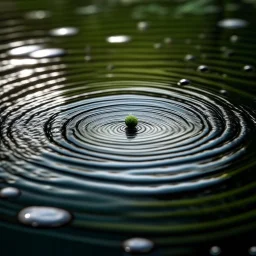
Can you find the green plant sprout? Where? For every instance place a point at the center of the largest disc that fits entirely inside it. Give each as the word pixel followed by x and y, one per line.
pixel 131 121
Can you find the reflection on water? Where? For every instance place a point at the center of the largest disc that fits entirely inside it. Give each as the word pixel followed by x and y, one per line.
pixel 182 182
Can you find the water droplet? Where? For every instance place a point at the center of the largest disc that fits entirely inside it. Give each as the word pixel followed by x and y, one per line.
pixel 215 251
pixel 223 92
pixel 88 58
pixel 48 53
pixel 9 192
pixel 184 82
pixel 248 68
pixel 23 50
pixel 203 68
pixel 42 216
pixel 232 23
pixel 252 250
pixel 157 45
pixel 38 15
pixel 167 40
pixel 138 245
pixel 234 39
pixel 118 39
pixel 142 25
pixel 64 31
pixel 189 57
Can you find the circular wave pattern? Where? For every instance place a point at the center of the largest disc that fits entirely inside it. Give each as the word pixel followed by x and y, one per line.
pixel 181 142
pixel 183 179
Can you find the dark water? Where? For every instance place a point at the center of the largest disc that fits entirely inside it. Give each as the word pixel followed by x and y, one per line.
pixel 74 180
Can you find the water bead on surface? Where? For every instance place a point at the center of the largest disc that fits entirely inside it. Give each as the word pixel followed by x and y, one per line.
pixel 252 251
pixel 48 53
pixel 65 143
pixel 190 57
pixel 215 251
pixel 24 50
pixel 158 46
pixel 184 82
pixel 203 68
pixel 168 40
pixel 248 68
pixel 223 92
pixel 9 192
pixel 142 25
pixel 37 15
pixel 44 217
pixel 232 23
pixel 118 39
pixel 234 39
pixel 88 58
pixel 138 245
pixel 64 31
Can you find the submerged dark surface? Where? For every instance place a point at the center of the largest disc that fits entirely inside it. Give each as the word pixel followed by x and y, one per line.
pixel 71 71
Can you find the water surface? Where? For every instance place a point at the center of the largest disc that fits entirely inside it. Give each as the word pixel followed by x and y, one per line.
pixel 74 180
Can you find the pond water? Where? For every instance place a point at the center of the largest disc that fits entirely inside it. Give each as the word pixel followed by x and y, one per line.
pixel 74 180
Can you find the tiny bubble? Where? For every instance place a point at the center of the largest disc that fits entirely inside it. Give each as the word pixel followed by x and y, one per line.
pixel 189 57
pixel 252 250
pixel 88 58
pixel 167 40
pixel 223 92
pixel 157 45
pixel 248 68
pixel 184 82
pixel 142 25
pixel 215 251
pixel 203 68
pixel 234 39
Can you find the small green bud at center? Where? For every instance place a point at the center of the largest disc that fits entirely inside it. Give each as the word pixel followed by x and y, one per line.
pixel 131 121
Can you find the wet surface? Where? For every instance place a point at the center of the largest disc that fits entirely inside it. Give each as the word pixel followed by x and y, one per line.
pixel 182 181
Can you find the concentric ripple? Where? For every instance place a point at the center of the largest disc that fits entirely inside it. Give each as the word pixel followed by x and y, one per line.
pixel 182 137
pixel 182 182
